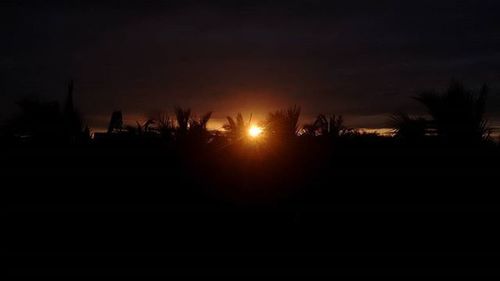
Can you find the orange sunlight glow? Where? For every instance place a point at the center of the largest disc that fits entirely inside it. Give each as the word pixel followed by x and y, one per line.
pixel 254 131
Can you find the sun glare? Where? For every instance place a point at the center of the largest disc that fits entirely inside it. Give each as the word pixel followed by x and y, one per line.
pixel 254 131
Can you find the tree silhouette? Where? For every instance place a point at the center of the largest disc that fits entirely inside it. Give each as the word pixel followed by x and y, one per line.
pixel 73 125
pixel 332 126
pixel 40 121
pixel 116 122
pixel 407 128
pixel 283 123
pixel 141 129
pixel 182 117
pixel 237 127
pixel 458 115
pixel 165 126
pixel 189 128
pixel 200 123
pixel 45 122
pixel 198 127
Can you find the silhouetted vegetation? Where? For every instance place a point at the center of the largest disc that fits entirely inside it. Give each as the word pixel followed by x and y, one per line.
pixel 363 169
pixel 458 115
pixel 455 117
pixel 283 123
pixel 288 177
pixel 236 128
pixel 331 126
pixel 116 122
pixel 284 160
pixel 46 123
pixel 409 129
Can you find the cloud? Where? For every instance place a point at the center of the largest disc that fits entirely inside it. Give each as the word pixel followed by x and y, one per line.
pixel 361 58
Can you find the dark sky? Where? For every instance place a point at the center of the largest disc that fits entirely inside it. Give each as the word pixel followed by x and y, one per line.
pixel 363 59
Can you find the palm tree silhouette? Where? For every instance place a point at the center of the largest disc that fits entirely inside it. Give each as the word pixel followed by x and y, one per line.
pixel 407 128
pixel 165 126
pixel 189 128
pixel 237 127
pixel 458 115
pixel 332 126
pixel 182 116
pixel 141 129
pixel 198 127
pixel 283 123
pixel 200 124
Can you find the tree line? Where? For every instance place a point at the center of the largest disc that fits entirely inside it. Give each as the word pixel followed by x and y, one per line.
pixel 454 116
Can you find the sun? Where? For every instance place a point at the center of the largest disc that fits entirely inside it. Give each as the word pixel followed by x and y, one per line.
pixel 254 131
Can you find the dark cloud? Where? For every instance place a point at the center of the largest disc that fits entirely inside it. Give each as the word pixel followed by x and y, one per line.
pixel 361 58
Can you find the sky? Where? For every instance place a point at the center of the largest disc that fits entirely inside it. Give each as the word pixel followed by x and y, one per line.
pixel 362 59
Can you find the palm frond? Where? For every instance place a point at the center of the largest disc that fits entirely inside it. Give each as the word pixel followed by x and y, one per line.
pixel 458 114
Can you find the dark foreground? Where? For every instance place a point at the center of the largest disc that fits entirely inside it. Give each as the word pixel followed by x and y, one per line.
pixel 386 211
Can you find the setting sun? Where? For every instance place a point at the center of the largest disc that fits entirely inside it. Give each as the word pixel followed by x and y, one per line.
pixel 254 131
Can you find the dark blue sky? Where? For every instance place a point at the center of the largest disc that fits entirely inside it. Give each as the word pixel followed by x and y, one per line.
pixel 363 59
